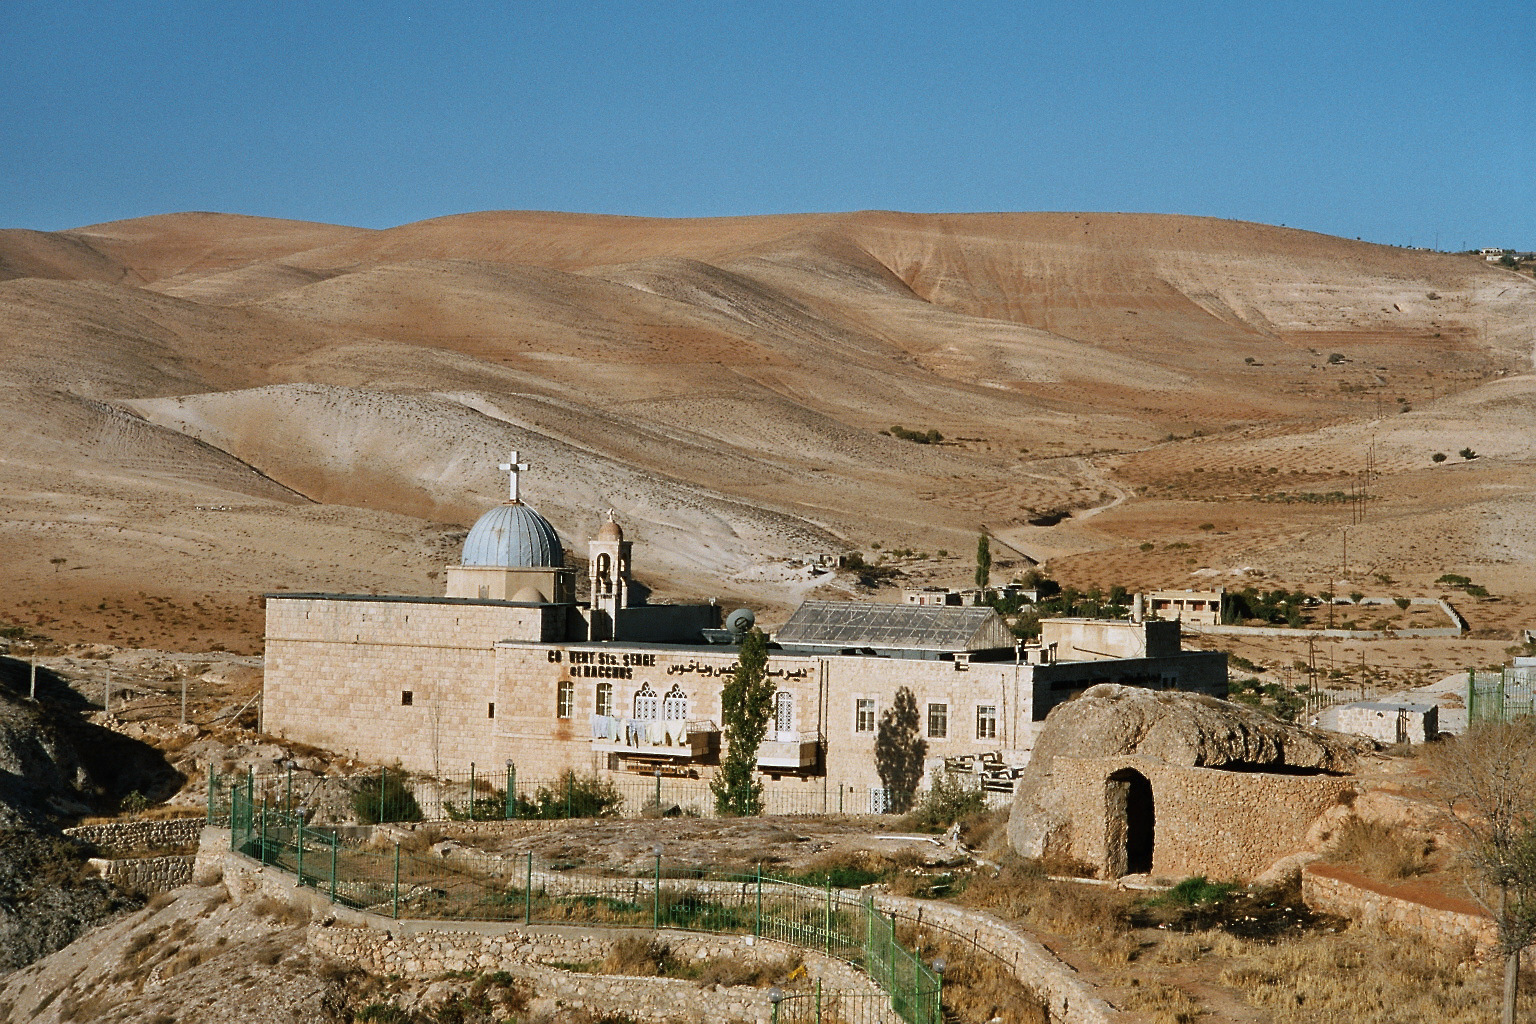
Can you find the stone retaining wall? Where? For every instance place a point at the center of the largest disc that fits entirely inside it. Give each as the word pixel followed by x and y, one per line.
pixel 1069 999
pixel 538 952
pixel 1324 893
pixel 148 875
pixel 123 836
pixel 384 944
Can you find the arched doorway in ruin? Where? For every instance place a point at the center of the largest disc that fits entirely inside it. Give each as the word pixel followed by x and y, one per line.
pixel 1131 823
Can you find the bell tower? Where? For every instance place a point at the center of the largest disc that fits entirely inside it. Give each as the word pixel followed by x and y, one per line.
pixel 609 570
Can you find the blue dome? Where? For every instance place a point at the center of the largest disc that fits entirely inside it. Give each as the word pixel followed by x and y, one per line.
pixel 513 536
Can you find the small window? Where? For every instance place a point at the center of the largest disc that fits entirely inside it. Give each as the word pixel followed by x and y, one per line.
pixel 565 699
pixel 647 704
pixel 406 698
pixel 986 721
pixel 605 698
pixel 490 710
pixel 674 706
pixel 783 711
pixel 864 715
pixel 938 721
pixel 485 592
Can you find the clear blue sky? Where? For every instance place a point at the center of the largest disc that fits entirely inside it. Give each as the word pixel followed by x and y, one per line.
pixel 1389 121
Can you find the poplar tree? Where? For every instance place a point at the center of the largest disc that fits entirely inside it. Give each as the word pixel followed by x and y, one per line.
pixel 983 560
pixel 746 707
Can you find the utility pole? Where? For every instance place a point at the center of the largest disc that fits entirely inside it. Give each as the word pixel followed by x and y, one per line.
pixel 32 687
pixel 182 671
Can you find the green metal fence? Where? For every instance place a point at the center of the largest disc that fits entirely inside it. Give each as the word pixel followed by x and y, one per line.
pixel 470 885
pixel 818 1007
pixel 505 794
pixel 1500 696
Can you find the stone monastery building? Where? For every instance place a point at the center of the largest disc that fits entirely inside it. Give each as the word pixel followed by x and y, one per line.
pixel 509 666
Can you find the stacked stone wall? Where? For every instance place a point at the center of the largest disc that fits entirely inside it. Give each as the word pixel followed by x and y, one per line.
pixel 126 836
pixel 147 875
pixel 1324 892
pixel 1221 824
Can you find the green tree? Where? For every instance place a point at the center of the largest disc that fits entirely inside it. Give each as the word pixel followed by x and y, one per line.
pixel 746 703
pixel 900 749
pixel 983 560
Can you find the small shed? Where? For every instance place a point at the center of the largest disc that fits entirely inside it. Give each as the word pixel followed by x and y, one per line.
pixel 1390 721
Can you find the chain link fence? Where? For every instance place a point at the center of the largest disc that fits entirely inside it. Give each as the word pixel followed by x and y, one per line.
pixel 471 885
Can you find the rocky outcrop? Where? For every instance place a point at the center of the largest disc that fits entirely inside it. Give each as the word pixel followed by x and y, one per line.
pixel 1177 783
pixel 1189 729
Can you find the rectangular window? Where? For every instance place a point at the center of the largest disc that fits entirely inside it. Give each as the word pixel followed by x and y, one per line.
pixel 565 699
pixel 605 698
pixel 490 710
pixel 406 697
pixel 986 721
pixel 864 715
pixel 938 721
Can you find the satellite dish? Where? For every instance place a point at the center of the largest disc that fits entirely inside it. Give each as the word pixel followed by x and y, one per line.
pixel 740 621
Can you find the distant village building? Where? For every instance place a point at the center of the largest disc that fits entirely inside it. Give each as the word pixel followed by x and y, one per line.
pixel 928 596
pixel 1196 607
pixel 509 666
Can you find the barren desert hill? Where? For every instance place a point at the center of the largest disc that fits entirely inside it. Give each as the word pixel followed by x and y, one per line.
pixel 726 384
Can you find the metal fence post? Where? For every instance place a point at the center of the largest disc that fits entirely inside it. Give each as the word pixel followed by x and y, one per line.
pixel 335 848
pixel 471 791
pixel 250 788
pixel 299 835
pixel 528 892
pixel 839 798
pixel 262 856
pixel 511 808
pixel 827 919
pixel 656 896
pixel 757 922
pixel 818 1001
pixel 395 913
pixel 288 790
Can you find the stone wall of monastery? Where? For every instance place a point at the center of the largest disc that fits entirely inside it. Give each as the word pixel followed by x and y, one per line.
pixel 338 672
pixel 1221 824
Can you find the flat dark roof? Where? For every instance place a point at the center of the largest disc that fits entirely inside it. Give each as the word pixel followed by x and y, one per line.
pixel 285 595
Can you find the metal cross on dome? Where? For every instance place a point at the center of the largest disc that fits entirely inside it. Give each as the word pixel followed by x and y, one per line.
pixel 513 468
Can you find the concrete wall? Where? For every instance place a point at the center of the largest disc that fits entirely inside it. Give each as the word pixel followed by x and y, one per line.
pixel 1221 824
pixel 1196 671
pixel 666 623
pixel 1422 723
pixel 1098 639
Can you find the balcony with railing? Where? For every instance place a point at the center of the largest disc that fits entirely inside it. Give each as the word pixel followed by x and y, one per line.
pixel 674 739
pixel 785 750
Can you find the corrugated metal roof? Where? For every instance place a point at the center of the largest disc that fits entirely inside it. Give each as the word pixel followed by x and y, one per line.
pixel 901 626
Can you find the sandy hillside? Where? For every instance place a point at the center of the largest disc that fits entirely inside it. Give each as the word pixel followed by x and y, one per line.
pixel 198 407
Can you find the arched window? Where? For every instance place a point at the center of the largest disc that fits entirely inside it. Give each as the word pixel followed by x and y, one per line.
pixel 604 578
pixel 605 698
pixel 565 699
pixel 783 711
pixel 674 707
pixel 647 705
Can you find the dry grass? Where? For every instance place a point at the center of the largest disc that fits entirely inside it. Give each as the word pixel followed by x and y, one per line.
pixel 282 910
pixel 1383 852
pixel 1164 1003
pixel 639 958
pixel 978 988
pixel 1096 918
pixel 1366 977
